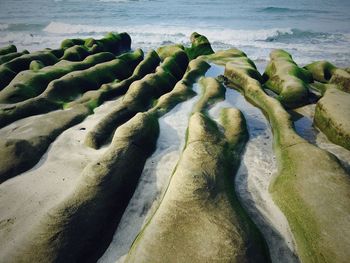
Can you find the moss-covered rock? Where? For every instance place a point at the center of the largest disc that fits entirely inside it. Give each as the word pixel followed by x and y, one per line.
pixel 169 51
pixel 115 43
pixel 332 116
pixel 311 188
pixel 200 45
pixel 182 89
pixel 284 77
pixel 10 56
pixel 212 91
pixel 199 218
pixel 10 69
pixel 7 50
pixel 58 52
pixel 176 64
pixel 139 97
pixel 36 65
pixel 321 70
pixel 221 57
pixel 326 72
pixel 72 85
pixel 332 111
pixel 341 78
pixel 31 83
pixel 12 164
pixel 75 53
pixel 80 227
pixel 107 91
pixel 70 42
pixel 22 147
pixel 112 42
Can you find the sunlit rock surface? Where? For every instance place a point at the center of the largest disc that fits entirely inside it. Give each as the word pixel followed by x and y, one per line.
pixel 183 154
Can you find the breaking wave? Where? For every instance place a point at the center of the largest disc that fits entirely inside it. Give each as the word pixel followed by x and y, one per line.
pixel 285 10
pixel 3 27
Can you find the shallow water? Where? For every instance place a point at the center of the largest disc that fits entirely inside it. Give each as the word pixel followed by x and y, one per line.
pixel 252 180
pixel 257 168
pixel 155 176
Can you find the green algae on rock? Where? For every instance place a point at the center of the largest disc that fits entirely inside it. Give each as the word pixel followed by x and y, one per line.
pixel 70 86
pixel 311 184
pixel 333 109
pixel 221 57
pixel 212 91
pixel 332 116
pixel 200 45
pixel 169 50
pixel 23 146
pixel 321 70
pixel 182 89
pixel 325 72
pixel 13 163
pixel 101 194
pixel 199 218
pixel 138 98
pixel 94 98
pixel 31 83
pixel 112 42
pixel 35 65
pixel 80 227
pixel 10 69
pixel 8 50
pixel 75 53
pixel 284 77
pixel 10 56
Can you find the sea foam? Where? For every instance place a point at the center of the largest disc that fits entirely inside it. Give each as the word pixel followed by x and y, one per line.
pixel 3 27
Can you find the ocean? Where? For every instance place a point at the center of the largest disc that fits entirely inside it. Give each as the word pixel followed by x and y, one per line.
pixel 309 29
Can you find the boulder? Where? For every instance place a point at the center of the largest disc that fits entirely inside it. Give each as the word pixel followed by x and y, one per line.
pixel 200 45
pixel 325 72
pixel 332 116
pixel 287 80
